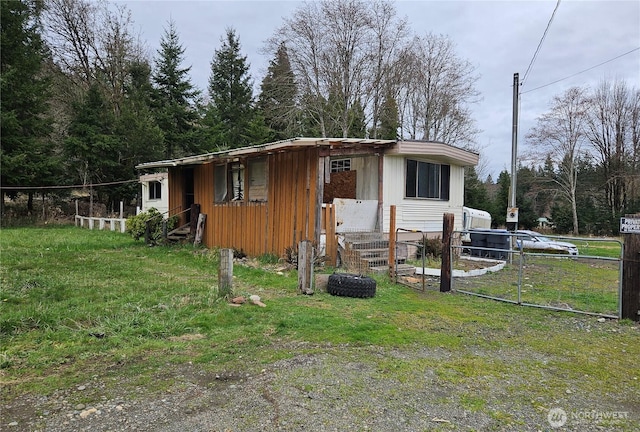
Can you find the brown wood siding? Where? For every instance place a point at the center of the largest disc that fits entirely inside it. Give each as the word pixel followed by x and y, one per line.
pixel 286 218
pixel 329 229
pixel 292 199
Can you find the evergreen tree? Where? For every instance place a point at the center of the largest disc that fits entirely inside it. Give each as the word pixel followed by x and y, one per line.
pixel 135 127
pixel 92 148
pixel 525 199
pixel 389 124
pixel 277 100
pixel 357 121
pixel 231 96
pixel 475 192
pixel 174 97
pixel 136 124
pixel 26 154
pixel 499 211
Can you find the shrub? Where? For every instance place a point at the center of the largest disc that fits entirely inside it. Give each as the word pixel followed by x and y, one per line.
pixel 291 256
pixel 430 247
pixel 137 225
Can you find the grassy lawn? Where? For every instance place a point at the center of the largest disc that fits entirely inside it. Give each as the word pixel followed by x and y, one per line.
pixel 76 303
pixel 587 285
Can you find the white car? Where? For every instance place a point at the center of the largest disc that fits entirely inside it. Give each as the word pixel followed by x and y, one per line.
pixel 534 241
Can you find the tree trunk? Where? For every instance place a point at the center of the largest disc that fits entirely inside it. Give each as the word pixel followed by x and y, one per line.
pixel 574 210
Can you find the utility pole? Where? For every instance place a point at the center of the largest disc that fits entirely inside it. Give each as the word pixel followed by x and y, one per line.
pixel 512 210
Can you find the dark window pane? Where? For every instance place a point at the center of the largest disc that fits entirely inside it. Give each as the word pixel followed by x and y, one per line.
pixel 412 172
pixel 445 174
pixel 423 179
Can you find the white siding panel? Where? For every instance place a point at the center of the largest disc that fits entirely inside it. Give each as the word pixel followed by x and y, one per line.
pixel 419 214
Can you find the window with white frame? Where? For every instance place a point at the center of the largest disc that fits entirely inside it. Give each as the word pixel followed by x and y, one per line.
pixel 155 190
pixel 339 165
pixel 426 180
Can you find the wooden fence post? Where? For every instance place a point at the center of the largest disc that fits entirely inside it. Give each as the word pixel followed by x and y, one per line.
pixel 392 241
pixel 330 233
pixel 445 269
pixel 200 229
pixel 631 277
pixel 305 267
pixel 225 273
pixel 194 214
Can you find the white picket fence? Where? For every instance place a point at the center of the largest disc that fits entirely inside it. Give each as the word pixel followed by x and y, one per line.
pixel 101 223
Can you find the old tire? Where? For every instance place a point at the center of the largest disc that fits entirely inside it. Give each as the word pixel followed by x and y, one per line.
pixel 351 285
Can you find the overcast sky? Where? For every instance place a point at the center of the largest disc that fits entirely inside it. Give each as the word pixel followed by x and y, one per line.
pixel 498 37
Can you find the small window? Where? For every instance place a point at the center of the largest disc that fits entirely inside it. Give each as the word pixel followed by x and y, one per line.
pixel 220 183
pixel 155 190
pixel 228 182
pixel 339 165
pixel 426 180
pixel 258 179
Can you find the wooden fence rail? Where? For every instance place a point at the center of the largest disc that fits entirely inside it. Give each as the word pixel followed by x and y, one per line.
pixel 90 222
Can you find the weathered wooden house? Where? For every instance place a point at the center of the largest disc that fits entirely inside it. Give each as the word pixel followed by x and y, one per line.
pixel 264 198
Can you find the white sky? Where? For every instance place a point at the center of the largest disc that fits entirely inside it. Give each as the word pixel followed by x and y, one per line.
pixel 498 37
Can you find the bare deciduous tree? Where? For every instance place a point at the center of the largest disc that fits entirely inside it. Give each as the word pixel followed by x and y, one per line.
pixel 436 92
pixel 559 136
pixel 389 34
pixel 92 43
pixel 341 52
pixel 613 129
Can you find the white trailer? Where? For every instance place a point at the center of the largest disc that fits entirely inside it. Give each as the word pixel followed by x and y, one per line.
pixel 474 219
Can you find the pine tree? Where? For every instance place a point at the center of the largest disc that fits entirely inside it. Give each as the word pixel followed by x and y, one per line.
pixel 174 97
pixel 357 121
pixel 92 147
pixel 231 112
pixel 389 124
pixel 136 123
pixel 277 100
pixel 501 200
pixel 475 192
pixel 25 151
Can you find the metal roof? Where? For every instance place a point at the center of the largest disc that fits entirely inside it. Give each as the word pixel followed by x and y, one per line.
pixel 292 144
pixel 268 148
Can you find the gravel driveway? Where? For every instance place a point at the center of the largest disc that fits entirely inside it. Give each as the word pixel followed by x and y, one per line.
pixel 320 389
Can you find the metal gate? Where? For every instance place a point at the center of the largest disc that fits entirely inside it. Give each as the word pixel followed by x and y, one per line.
pixel 508 268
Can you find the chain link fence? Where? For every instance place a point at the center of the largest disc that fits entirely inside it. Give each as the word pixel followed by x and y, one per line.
pixel 552 275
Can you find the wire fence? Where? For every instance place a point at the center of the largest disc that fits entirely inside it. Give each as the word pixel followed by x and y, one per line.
pixel 588 282
pixel 581 275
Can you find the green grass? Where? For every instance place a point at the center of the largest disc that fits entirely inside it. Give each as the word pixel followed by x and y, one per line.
pixel 588 285
pixel 76 304
pixel 598 247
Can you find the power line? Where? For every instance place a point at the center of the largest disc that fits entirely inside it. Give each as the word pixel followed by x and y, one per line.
pixel 582 71
pixel 544 35
pixel 66 187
